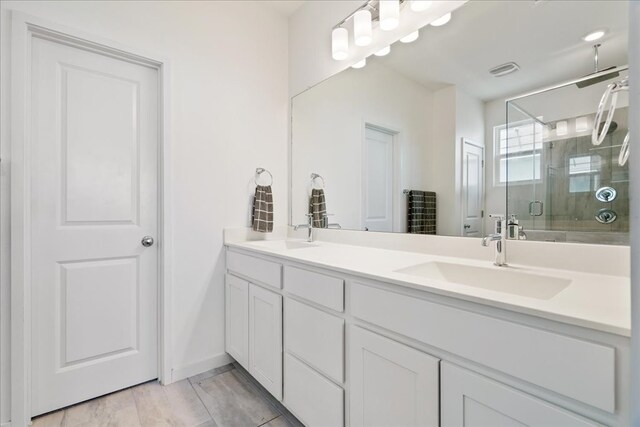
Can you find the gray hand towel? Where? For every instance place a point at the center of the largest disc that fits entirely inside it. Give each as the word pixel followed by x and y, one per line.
pixel 318 208
pixel 262 212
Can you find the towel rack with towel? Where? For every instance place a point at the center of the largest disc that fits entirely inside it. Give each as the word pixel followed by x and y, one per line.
pixel 259 172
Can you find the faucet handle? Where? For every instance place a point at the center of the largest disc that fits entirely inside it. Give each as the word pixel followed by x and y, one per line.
pixel 499 219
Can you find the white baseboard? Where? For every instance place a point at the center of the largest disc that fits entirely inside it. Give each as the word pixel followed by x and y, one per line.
pixel 7 424
pixel 199 367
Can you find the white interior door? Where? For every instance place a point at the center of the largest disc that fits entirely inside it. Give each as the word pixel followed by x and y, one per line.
pixel 472 189
pixel 93 198
pixel 378 180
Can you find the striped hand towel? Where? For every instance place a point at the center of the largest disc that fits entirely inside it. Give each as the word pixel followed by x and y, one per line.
pixel 318 208
pixel 262 212
pixel 421 212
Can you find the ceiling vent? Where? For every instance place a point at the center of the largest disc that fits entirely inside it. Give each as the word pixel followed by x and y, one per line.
pixel 504 69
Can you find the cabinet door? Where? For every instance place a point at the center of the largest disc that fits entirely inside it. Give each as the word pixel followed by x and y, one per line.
pixel 472 400
pixel 391 384
pixel 236 298
pixel 265 338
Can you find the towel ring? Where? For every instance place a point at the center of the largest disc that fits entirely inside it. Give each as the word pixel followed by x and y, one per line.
pixel 314 176
pixel 260 171
pixel 610 96
pixel 624 151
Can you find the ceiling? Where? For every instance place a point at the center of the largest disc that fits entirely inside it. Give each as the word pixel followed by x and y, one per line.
pixel 543 37
pixel 285 7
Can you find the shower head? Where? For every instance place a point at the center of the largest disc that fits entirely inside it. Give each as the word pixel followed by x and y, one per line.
pixel 600 77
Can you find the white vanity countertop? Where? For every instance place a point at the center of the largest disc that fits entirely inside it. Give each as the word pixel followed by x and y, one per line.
pixel 594 301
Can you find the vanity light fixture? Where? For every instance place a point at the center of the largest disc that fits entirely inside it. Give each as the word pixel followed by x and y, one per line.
pixel 362 31
pixel 384 51
pixel 561 128
pixel 442 20
pixel 410 37
pixel 389 14
pixel 594 35
pixel 340 44
pixel 420 5
pixel 360 64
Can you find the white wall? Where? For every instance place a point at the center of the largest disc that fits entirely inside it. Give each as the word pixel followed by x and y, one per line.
pixel 328 132
pixel 457 115
pixel 229 115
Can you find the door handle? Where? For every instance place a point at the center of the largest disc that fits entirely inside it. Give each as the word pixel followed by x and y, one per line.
pixel 147 241
pixel 467 226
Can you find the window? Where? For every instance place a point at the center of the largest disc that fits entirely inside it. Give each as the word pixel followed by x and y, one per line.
pixel 520 144
pixel 584 173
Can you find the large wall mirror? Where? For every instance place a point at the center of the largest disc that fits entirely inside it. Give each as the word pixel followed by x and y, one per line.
pixel 491 113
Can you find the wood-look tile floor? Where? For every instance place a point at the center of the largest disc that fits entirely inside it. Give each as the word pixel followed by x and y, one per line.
pixel 223 397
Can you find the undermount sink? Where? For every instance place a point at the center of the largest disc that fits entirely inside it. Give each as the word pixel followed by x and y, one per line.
pixel 283 244
pixel 500 279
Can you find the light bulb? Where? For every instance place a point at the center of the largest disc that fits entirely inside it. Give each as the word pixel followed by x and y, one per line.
pixel 362 28
pixel 420 5
pixel 360 64
pixel 384 51
pixel 340 44
pixel 389 14
pixel 410 37
pixel 442 20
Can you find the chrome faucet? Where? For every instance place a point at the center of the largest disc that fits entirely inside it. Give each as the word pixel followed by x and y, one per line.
pixel 308 226
pixel 500 238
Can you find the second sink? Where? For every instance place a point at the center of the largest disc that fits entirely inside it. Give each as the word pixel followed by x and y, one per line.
pixel 500 279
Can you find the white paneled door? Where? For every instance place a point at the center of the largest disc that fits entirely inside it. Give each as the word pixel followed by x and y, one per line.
pixel 472 189
pixel 94 196
pixel 378 180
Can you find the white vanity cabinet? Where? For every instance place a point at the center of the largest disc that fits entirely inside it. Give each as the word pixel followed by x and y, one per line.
pixel 340 349
pixel 391 384
pixel 236 298
pixel 470 399
pixel 265 338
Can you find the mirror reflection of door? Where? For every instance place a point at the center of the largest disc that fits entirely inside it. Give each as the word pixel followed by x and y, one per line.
pixel 378 179
pixel 472 188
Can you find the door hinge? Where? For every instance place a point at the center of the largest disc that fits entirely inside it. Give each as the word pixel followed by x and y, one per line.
pixel 482 214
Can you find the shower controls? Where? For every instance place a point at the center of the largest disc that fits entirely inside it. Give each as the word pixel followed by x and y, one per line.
pixel 606 194
pixel 606 216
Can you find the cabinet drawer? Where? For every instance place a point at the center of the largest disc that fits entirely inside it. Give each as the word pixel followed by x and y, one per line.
pixel 319 288
pixel 316 401
pixel 578 369
pixel 315 337
pixel 256 269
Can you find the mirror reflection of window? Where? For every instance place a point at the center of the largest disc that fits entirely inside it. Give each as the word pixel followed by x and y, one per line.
pixel 517 151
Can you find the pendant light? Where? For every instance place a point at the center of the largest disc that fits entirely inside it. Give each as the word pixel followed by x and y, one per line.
pixel 362 32
pixel 340 44
pixel 389 14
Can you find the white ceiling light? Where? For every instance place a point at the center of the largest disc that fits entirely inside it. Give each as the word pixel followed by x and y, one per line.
pixel 594 35
pixel 340 44
pixel 384 51
pixel 389 14
pixel 410 37
pixel 360 64
pixel 420 5
pixel 362 28
pixel 442 20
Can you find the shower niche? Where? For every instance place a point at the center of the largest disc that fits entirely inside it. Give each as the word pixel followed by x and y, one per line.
pixel 561 184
